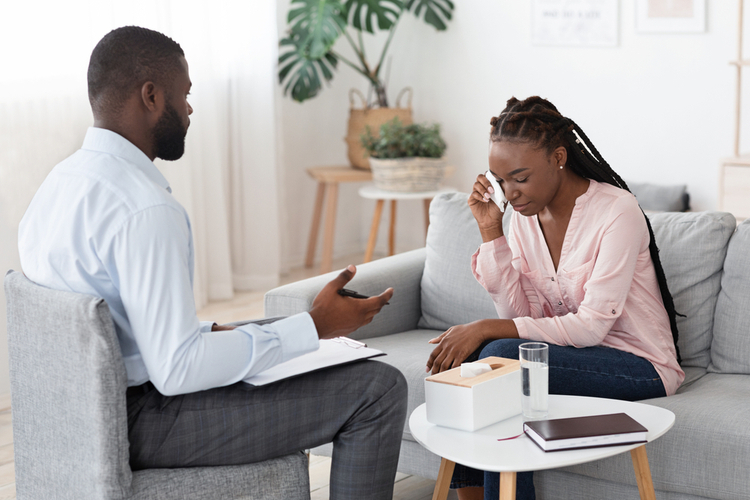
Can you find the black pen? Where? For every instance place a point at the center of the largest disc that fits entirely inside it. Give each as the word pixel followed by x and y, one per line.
pixel 344 292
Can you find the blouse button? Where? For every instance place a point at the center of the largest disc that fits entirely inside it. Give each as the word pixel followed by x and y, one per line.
pixel 553 279
pixel 614 312
pixel 560 303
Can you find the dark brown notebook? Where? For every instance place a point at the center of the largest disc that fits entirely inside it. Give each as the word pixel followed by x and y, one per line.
pixel 585 432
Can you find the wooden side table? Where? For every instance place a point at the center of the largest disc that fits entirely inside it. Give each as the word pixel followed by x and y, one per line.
pixel 381 196
pixel 328 179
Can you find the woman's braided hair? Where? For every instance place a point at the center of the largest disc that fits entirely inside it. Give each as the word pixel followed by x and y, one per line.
pixel 538 121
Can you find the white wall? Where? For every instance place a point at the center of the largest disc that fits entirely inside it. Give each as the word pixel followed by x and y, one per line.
pixel 659 107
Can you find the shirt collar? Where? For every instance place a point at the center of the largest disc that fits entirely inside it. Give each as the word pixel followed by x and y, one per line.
pixel 593 187
pixel 105 141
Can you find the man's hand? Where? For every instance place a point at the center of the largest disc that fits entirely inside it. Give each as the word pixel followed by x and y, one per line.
pixel 335 315
pixel 221 328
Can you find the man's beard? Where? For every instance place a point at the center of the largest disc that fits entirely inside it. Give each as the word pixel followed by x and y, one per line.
pixel 169 135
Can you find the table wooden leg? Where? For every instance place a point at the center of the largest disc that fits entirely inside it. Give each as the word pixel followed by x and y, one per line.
pixel 507 486
pixel 315 227
pixel 427 215
pixel 392 231
pixel 443 483
pixel 330 228
pixel 643 473
pixel 374 230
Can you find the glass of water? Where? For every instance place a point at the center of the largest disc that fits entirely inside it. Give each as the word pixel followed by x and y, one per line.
pixel 534 357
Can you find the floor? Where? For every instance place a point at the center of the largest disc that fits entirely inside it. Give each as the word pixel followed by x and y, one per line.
pixel 246 305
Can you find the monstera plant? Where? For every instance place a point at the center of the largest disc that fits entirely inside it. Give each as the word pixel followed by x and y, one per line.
pixel 307 55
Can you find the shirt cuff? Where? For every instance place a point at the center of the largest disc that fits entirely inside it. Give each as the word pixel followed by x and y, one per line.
pixel 297 335
pixel 206 326
pixel 523 332
pixel 485 267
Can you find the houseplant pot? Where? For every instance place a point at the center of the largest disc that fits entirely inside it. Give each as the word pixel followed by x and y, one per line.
pixel 406 158
pixel 413 174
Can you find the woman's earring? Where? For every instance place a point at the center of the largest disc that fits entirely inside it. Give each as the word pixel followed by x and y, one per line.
pixel 561 167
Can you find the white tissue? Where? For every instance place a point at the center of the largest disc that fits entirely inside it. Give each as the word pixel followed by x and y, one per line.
pixel 474 369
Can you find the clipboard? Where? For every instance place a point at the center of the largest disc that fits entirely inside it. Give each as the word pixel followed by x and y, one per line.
pixel 332 352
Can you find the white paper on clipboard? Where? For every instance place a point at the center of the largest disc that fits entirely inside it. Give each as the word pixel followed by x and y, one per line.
pixel 332 352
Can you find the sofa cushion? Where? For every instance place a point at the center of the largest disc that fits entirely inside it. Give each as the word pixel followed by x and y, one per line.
pixel 450 293
pixel 730 349
pixel 705 453
pixel 692 247
pixel 407 351
pixel 656 198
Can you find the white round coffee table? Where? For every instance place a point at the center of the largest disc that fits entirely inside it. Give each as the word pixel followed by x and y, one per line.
pixel 482 450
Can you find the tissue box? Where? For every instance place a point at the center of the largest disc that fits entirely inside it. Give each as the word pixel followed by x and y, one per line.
pixel 471 403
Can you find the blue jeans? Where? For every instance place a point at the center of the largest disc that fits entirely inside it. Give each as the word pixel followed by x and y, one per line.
pixel 598 371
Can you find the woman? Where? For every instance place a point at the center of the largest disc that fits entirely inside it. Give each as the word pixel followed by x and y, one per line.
pixel 578 269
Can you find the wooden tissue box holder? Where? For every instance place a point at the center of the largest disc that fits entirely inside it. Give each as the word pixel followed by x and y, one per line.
pixel 470 403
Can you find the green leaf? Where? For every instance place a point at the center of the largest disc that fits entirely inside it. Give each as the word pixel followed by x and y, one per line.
pixel 401 141
pixel 436 12
pixel 316 25
pixel 360 13
pixel 302 72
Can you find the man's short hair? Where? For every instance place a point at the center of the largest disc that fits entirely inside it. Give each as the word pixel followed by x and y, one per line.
pixel 124 60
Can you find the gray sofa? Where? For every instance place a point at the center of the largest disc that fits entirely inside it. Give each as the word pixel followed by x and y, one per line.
pixel 707 452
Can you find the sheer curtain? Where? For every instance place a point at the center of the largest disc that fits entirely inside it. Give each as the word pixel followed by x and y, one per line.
pixel 227 179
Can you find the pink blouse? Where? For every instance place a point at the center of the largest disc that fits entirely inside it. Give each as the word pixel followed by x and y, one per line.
pixel 604 291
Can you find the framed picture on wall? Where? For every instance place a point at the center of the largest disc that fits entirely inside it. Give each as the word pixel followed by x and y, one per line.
pixel 583 23
pixel 670 16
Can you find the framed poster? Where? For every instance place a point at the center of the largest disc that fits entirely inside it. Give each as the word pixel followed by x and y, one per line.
pixel 592 23
pixel 670 16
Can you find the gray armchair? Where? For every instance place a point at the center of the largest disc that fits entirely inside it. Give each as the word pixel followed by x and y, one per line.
pixel 69 413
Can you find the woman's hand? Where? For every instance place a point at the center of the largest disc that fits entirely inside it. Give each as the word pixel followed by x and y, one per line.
pixel 488 215
pixel 458 342
pixel 454 346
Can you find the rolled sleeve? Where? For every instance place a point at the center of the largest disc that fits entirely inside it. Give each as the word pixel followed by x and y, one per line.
pixel 277 342
pixel 512 294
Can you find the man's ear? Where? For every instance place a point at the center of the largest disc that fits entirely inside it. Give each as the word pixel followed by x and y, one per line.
pixel 151 96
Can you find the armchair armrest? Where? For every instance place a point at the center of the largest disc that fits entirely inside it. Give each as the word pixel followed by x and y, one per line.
pixel 403 272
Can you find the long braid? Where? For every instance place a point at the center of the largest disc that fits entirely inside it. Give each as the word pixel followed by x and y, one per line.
pixel 538 120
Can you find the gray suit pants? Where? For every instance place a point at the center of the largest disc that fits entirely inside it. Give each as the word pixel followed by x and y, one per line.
pixel 359 407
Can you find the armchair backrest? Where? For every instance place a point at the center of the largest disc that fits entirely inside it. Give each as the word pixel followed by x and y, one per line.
pixel 68 385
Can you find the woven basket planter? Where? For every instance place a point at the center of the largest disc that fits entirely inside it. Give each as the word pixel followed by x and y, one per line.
pixel 408 174
pixel 360 118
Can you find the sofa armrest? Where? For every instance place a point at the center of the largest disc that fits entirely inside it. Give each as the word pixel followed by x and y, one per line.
pixel 403 272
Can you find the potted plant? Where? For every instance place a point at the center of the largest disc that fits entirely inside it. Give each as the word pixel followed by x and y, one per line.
pixel 406 157
pixel 307 56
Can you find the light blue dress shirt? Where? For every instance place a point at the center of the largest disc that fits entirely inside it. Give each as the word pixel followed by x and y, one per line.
pixel 104 222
